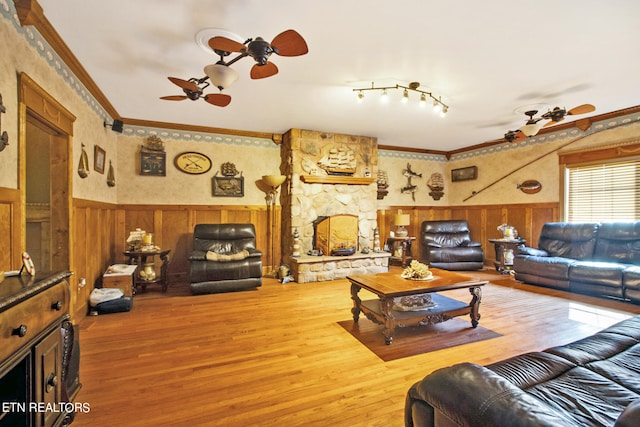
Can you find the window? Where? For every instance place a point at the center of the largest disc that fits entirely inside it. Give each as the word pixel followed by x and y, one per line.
pixel 603 192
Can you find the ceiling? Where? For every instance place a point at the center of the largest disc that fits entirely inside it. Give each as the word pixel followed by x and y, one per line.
pixel 488 61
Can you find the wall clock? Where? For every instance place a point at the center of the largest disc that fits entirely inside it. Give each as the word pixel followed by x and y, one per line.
pixel 192 163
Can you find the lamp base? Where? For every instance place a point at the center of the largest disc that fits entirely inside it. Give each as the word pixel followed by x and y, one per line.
pixel 400 231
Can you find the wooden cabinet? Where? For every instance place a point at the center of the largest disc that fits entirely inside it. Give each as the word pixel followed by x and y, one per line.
pixel 37 344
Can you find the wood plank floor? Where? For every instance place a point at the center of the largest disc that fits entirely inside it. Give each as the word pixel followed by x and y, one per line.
pixel 277 357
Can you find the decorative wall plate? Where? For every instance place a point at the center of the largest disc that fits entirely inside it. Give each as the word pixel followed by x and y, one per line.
pixel 27 264
pixel 192 163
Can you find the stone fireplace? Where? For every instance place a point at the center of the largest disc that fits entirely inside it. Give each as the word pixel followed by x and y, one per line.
pixel 311 193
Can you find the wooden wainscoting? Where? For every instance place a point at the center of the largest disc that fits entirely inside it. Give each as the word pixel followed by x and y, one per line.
pixel 483 221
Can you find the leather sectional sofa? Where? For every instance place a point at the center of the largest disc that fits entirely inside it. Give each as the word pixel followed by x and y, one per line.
pixel 590 382
pixel 601 259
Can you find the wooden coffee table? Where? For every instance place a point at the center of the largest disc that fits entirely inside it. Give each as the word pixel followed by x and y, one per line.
pixel 388 286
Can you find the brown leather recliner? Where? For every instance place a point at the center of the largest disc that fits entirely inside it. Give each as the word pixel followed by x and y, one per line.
pixel 224 259
pixel 447 244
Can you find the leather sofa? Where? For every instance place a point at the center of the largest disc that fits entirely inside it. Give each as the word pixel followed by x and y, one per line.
pixel 590 382
pixel 447 244
pixel 601 259
pixel 224 258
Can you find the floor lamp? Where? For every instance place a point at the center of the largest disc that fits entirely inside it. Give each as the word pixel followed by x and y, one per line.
pixel 273 182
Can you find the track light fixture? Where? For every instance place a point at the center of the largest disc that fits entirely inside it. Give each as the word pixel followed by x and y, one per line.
pixel 438 106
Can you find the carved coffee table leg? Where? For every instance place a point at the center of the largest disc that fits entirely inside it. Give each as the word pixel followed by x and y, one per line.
pixel 476 291
pixel 389 320
pixel 356 302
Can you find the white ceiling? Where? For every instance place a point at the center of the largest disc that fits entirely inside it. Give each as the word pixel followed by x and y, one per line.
pixel 488 60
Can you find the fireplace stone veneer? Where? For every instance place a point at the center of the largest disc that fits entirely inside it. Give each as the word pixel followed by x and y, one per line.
pixel 320 268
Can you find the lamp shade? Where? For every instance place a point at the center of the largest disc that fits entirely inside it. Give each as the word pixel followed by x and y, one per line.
pixel 401 219
pixel 273 181
pixel 531 129
pixel 221 76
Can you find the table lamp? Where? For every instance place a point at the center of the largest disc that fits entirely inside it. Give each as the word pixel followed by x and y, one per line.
pixel 400 220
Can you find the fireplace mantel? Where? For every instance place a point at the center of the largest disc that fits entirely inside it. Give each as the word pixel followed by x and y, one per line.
pixel 348 180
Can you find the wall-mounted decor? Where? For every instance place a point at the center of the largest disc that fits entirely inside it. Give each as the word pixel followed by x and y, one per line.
pixel 464 174
pixel 4 138
pixel 153 162
pixel 83 164
pixel 436 185
pixel 383 184
pixel 410 188
pixel 111 176
pixel 530 186
pixel 99 157
pixel 192 163
pixel 228 185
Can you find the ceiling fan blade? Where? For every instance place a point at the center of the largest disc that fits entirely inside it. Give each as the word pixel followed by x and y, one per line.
pixel 581 109
pixel 519 136
pixel 218 99
pixel 290 43
pixel 174 97
pixel 261 71
pixel 184 84
pixel 225 44
pixel 553 122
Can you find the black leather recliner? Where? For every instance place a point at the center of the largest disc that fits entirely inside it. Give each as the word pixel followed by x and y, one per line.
pixel 224 259
pixel 447 244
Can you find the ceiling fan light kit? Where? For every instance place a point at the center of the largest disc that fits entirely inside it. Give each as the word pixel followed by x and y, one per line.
pixel 438 106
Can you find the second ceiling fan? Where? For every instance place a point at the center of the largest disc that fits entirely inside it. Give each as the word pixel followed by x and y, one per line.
pixel 533 125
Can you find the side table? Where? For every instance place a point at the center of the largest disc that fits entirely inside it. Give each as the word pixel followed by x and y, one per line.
pixel 400 248
pixel 505 251
pixel 140 258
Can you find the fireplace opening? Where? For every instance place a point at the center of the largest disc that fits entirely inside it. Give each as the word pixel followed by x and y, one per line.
pixel 336 235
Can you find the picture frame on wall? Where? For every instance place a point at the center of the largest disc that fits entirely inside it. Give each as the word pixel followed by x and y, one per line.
pixel 99 157
pixel 228 186
pixel 153 162
pixel 464 174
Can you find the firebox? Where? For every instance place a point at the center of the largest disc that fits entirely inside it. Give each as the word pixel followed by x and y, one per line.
pixel 336 234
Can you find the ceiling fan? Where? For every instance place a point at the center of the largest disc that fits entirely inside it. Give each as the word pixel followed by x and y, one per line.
pixel 287 43
pixel 193 90
pixel 532 125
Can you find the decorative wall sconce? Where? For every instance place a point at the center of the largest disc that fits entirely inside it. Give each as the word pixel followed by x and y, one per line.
pixel 83 164
pixel 438 106
pixel 4 138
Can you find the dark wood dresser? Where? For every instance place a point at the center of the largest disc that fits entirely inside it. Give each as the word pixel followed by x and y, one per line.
pixel 37 345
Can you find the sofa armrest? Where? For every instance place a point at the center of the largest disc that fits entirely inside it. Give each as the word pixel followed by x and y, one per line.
pixel 524 250
pixel 254 252
pixel 472 244
pixel 434 245
pixel 468 394
pixel 630 417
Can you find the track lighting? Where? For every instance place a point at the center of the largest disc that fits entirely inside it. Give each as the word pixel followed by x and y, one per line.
pixel 438 106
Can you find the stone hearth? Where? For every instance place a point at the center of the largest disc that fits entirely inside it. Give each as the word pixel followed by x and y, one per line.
pixel 319 268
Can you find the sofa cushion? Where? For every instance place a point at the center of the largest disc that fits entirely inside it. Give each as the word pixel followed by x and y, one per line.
pixel 631 283
pixel 569 240
pixel 602 273
pixel 618 242
pixel 551 267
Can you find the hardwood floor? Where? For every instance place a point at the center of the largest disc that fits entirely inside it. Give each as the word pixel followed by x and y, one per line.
pixel 277 357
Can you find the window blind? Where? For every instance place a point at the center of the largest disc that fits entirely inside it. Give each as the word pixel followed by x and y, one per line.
pixel 603 192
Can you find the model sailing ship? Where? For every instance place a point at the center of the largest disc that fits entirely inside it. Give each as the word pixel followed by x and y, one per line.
pixel 339 161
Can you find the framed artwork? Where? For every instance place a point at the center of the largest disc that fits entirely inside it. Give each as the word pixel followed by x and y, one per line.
pixel 464 174
pixel 228 186
pixel 153 163
pixel 99 156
